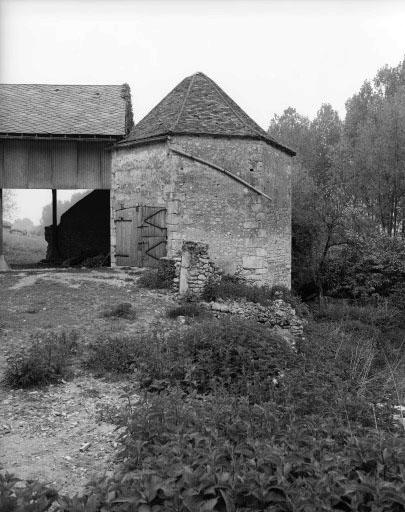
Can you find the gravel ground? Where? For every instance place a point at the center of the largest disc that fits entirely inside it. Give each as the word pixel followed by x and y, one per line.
pixel 55 434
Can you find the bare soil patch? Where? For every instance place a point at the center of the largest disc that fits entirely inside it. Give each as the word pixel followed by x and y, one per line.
pixel 55 434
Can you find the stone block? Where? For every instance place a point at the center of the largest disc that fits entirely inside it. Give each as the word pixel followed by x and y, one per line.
pixel 252 262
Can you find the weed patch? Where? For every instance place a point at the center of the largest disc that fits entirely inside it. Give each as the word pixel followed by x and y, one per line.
pixel 113 353
pixel 122 310
pixel 188 309
pixel 31 497
pixel 234 288
pixel 238 355
pixel 44 362
pixel 154 280
pixel 219 453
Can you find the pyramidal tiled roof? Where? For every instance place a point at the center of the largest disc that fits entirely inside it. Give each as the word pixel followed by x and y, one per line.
pixel 198 106
pixel 64 109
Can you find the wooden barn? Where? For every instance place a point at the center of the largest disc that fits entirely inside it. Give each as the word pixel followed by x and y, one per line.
pixel 58 136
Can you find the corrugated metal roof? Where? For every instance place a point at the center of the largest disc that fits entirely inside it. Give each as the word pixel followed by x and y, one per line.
pixel 63 109
pixel 197 105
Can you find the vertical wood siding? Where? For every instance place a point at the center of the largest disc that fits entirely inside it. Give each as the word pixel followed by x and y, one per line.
pixel 54 164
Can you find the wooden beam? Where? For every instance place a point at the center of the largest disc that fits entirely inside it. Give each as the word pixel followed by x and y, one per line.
pixel 54 255
pixel 3 262
pixel 220 169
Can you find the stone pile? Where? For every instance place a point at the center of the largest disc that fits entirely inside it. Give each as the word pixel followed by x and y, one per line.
pixel 278 314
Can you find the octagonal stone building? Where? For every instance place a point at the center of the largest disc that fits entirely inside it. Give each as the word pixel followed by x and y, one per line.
pixel 198 168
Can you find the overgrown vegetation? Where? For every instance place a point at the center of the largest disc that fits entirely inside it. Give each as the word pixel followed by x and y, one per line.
pixel 155 280
pixel 121 310
pixel 232 419
pixel 45 361
pixel 115 353
pixel 349 190
pixel 31 497
pixel 221 453
pixel 235 287
pixel 188 309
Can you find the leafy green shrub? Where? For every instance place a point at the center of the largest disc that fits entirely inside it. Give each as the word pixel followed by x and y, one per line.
pixel 378 315
pixel 369 268
pixel 154 279
pixel 189 309
pixel 122 310
pixel 116 353
pixel 31 497
pixel 45 361
pixel 240 355
pixel 220 453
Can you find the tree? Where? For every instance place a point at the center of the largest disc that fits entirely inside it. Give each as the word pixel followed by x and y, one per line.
pixel 62 207
pixel 24 224
pixel 9 204
pixel 375 134
pixel 319 197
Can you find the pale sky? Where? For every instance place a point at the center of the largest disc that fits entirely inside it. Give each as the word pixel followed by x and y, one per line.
pixel 266 54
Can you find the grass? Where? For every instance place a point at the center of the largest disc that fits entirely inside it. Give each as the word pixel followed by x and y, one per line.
pixel 234 288
pixel 121 310
pixel 24 250
pixel 154 280
pixel 190 310
pixel 379 315
pixel 113 353
pixel 233 420
pixel 45 361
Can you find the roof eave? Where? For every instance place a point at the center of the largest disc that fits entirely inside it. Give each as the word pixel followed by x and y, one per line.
pixel 61 136
pixel 163 136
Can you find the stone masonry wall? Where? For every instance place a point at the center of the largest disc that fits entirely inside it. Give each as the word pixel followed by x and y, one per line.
pixel 196 269
pixel 245 232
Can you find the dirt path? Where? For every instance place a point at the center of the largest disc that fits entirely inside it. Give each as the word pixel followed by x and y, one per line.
pixel 55 434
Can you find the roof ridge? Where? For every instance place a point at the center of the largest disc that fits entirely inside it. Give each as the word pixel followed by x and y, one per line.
pixel 184 102
pixel 224 97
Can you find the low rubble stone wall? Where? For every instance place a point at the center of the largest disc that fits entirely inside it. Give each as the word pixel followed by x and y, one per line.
pixel 278 314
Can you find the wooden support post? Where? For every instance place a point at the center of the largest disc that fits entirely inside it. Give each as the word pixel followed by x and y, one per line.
pixel 3 262
pixel 54 253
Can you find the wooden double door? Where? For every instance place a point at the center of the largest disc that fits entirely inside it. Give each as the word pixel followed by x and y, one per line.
pixel 141 235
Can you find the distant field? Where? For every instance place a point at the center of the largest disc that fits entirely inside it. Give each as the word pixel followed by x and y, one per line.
pixel 24 250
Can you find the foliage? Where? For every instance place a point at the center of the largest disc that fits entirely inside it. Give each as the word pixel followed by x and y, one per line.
pixel 375 131
pixel 249 425
pixel 221 453
pixel 235 287
pixel 237 355
pixel 154 280
pixel 188 309
pixel 9 204
pixel 370 267
pixel 379 315
pixel 121 310
pixel 31 497
pixel 348 177
pixel 24 250
pixel 62 207
pixel 116 353
pixel 45 361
